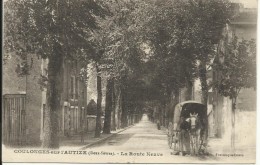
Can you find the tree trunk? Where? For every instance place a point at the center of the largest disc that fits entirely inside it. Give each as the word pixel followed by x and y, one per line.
pixel 113 119
pixel 84 115
pixel 164 115
pixel 203 81
pixel 118 105
pixel 204 99
pixel 53 98
pixel 233 120
pixel 108 107
pixel 124 109
pixel 176 99
pixel 99 101
pixel 173 101
pixel 188 94
pixel 86 110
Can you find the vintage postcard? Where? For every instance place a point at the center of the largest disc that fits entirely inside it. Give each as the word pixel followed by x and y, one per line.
pixel 129 81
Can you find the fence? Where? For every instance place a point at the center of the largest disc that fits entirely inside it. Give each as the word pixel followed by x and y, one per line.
pixel 14 128
pixel 75 120
pixel 72 120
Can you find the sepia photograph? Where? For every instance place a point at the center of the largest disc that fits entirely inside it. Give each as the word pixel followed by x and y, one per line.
pixel 129 81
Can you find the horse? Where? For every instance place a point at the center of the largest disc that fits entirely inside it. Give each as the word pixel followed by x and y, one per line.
pixel 195 133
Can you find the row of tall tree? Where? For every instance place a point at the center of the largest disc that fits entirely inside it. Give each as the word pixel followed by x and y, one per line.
pixel 147 50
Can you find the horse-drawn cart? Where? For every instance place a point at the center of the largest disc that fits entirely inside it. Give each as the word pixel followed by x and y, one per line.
pixel 188 131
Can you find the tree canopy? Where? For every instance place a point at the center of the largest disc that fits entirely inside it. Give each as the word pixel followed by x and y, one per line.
pixel 150 49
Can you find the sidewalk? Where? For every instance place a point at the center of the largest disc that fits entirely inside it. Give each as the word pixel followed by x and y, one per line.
pixel 89 139
pixel 220 146
pixel 217 145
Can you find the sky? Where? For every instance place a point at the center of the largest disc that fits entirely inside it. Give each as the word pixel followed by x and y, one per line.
pixel 247 3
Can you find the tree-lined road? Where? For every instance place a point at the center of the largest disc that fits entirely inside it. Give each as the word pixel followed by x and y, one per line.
pixel 143 136
pixel 141 143
pixel 147 56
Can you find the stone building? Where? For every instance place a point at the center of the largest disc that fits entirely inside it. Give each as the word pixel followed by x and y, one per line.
pixel 244 27
pixel 25 101
pixel 22 102
pixel 73 100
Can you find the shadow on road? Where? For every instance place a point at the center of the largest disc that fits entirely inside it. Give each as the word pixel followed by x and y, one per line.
pixel 207 157
pixel 151 137
pixel 116 140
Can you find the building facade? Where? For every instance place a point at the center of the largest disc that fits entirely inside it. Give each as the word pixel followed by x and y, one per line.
pixel 73 99
pixel 244 27
pixel 22 101
pixel 25 101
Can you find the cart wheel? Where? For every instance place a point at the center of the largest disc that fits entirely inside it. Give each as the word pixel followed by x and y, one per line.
pixel 170 141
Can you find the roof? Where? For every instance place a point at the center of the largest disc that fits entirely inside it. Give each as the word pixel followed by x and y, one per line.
pixel 244 16
pixel 189 101
pixel 14 95
pixel 184 109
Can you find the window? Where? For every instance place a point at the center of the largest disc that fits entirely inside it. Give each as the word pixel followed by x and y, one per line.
pixel 76 118
pixel 76 88
pixel 43 114
pixel 72 125
pixel 72 87
pixel 210 97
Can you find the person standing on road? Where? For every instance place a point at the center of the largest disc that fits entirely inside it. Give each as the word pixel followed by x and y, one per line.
pixel 158 124
pixel 184 137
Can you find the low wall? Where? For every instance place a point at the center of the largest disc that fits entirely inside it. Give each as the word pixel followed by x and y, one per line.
pixel 245 126
pixel 91 123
